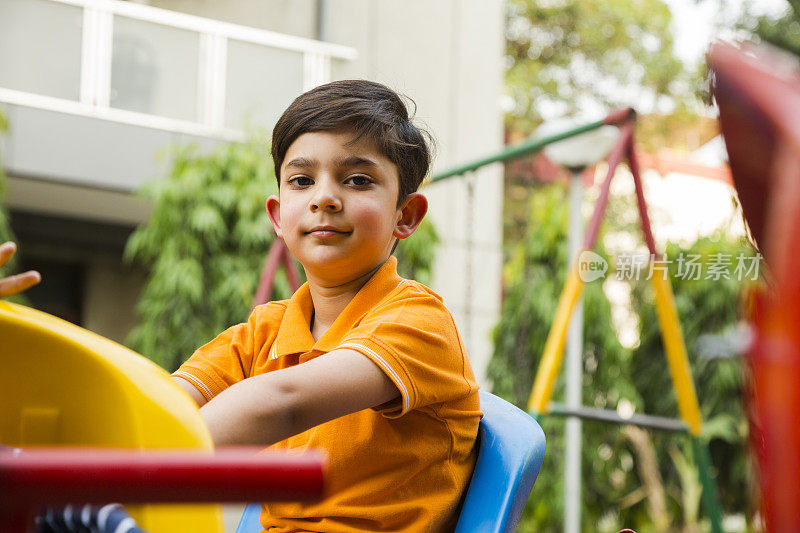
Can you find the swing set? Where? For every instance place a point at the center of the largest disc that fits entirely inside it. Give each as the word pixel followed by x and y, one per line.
pixel 539 404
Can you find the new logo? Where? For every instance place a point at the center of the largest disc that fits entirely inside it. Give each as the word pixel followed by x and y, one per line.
pixel 591 266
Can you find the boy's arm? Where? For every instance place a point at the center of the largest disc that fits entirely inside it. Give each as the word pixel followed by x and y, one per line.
pixel 191 390
pixel 265 409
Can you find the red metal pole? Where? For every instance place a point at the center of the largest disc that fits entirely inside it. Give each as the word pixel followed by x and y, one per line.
pixel 643 216
pixel 40 477
pixel 278 254
pixel 593 229
pixel 620 116
pixel 291 268
pixel 267 280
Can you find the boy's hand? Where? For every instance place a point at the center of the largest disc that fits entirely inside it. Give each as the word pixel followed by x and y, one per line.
pixel 15 284
pixel 268 408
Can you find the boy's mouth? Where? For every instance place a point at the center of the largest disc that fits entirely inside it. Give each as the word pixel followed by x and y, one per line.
pixel 326 231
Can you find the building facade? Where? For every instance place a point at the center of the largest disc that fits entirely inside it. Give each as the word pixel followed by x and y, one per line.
pixel 93 90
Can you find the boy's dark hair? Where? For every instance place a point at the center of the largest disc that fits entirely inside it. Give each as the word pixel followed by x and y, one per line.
pixel 371 111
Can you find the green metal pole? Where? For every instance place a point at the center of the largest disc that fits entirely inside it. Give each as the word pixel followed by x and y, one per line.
pixel 709 496
pixel 528 147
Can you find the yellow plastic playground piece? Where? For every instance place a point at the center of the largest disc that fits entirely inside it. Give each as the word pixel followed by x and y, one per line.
pixel 64 385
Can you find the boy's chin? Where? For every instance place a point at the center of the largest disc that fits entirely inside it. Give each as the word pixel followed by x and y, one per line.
pixel 337 267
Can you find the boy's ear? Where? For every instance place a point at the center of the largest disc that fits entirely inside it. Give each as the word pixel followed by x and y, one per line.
pixel 412 211
pixel 274 213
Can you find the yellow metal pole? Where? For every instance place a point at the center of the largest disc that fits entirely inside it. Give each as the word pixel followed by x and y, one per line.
pixel 676 354
pixel 554 347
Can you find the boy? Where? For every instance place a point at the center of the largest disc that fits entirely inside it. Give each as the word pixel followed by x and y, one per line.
pixel 359 362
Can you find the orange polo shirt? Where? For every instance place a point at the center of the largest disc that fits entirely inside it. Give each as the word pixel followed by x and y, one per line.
pixel 401 466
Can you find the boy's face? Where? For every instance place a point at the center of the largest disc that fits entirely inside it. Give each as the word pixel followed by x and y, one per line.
pixel 337 210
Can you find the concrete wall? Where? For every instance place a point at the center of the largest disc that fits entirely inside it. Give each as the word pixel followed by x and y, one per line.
pixel 294 17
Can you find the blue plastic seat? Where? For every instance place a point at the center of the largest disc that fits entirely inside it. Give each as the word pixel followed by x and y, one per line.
pixel 510 453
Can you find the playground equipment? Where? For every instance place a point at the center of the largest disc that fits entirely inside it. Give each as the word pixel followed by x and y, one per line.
pixel 677 360
pixel 510 453
pixel 757 90
pixel 64 386
pixel 277 255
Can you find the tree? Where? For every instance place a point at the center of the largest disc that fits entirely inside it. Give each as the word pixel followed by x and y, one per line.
pixel 5 223
pixel 570 55
pixel 783 32
pixel 632 478
pixel 205 243
pixel 708 310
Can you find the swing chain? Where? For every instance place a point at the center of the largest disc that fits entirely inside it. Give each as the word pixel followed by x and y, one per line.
pixel 469 180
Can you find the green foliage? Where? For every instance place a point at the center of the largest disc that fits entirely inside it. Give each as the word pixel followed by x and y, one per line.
pixel 534 278
pixel 613 493
pixel 705 307
pixel 415 255
pixel 783 32
pixel 568 53
pixel 5 223
pixel 6 233
pixel 205 243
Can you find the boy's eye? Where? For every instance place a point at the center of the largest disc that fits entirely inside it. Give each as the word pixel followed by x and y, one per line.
pixel 359 180
pixel 301 181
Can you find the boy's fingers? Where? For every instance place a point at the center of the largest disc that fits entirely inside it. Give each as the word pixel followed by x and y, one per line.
pixel 15 284
pixel 7 249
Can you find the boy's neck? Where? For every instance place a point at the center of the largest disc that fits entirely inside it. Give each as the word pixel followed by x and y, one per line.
pixel 330 300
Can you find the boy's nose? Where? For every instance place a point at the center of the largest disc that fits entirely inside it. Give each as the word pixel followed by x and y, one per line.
pixel 326 201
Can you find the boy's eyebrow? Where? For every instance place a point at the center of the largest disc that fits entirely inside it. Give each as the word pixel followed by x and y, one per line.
pixel 302 162
pixel 348 161
pixel 355 161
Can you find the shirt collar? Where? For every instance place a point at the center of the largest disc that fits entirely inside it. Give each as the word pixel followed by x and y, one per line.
pixel 294 333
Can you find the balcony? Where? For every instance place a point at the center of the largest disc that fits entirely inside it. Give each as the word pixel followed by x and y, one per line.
pixel 94 88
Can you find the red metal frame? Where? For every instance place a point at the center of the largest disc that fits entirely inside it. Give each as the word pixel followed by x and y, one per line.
pixel 614 157
pixel 278 255
pixel 758 94
pixel 35 477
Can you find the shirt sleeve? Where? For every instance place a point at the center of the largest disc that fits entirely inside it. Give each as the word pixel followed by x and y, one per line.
pixel 414 340
pixel 230 357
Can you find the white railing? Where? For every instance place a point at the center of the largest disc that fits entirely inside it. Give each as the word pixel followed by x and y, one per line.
pixel 135 65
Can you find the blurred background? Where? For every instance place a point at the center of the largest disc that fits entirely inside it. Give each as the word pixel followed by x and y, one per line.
pixel 135 161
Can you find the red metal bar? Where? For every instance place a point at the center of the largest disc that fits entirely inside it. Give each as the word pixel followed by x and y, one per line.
pixel 267 280
pixel 278 254
pixel 593 228
pixel 291 268
pixel 620 116
pixel 644 218
pixel 42 476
